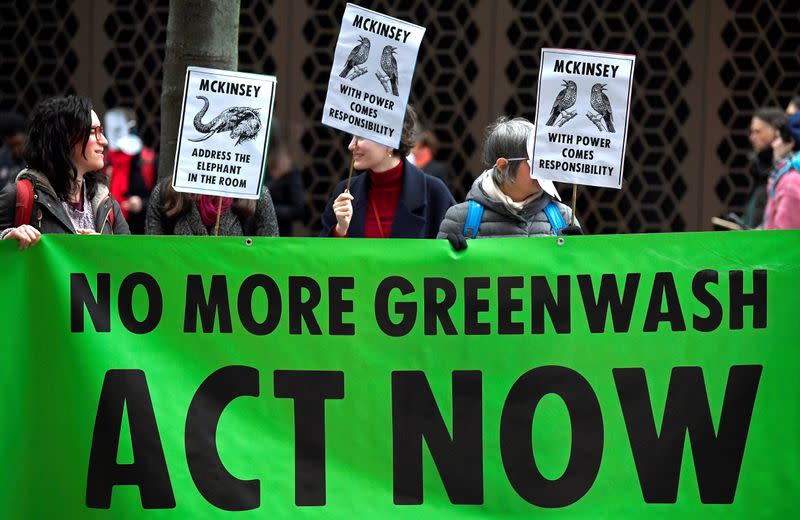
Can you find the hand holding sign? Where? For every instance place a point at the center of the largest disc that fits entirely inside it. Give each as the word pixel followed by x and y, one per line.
pixel 343 209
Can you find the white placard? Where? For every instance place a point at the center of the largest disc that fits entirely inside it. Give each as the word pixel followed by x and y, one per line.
pixel 582 117
pixel 224 132
pixel 371 75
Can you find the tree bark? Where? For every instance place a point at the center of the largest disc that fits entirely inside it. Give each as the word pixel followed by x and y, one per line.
pixel 200 33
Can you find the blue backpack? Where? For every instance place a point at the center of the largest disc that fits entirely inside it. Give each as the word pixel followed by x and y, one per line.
pixel 475 214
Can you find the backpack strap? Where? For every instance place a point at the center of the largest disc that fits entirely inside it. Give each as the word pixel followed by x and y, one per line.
pixel 109 216
pixel 24 205
pixel 474 216
pixel 555 217
pixel 111 213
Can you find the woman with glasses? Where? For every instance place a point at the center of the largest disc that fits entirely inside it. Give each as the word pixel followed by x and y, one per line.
pixel 392 198
pixel 513 203
pixel 63 188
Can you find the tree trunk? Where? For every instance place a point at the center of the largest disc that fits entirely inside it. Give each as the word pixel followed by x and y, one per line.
pixel 200 33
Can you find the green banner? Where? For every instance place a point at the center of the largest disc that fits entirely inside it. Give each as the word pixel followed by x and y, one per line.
pixel 602 377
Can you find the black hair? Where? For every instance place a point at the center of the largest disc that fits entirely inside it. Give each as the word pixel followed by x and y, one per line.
pixel 770 115
pixel 56 126
pixel 784 128
pixel 795 101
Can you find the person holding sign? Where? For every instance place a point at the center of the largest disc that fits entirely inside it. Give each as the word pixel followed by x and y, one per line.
pixel 392 198
pixel 178 213
pixel 63 189
pixel 505 200
pixel 783 187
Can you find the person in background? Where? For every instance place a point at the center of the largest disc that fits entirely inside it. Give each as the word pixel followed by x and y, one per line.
pixel 514 203
pixel 64 150
pixel 423 155
pixel 783 187
pixel 762 133
pixel 12 133
pixel 130 165
pixel 285 182
pixel 392 198
pixel 794 106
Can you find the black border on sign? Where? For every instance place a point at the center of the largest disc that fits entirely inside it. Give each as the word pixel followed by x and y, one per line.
pixel 627 112
pixel 273 84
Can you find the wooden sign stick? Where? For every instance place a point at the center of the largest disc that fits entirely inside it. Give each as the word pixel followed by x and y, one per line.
pixel 352 164
pixel 219 210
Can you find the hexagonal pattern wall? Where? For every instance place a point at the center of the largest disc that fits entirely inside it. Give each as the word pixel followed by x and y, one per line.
pixel 37 58
pixel 702 68
pixel 138 31
pixel 257 32
pixel 653 177
pixel 763 69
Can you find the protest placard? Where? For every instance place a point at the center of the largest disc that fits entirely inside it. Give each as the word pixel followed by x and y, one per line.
pixel 582 116
pixel 224 131
pixel 371 75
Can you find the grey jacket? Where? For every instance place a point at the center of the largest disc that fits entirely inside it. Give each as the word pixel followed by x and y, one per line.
pixel 49 215
pixel 498 221
pixel 263 223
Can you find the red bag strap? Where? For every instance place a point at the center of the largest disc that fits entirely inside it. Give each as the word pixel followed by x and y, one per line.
pixel 24 206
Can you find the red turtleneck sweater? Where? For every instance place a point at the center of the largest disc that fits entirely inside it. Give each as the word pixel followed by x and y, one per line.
pixel 382 197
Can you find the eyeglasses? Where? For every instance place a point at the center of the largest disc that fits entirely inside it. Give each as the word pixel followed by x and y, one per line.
pixel 517 159
pixel 97 131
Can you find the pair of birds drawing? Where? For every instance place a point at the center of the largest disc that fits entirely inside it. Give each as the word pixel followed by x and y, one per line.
pixel 567 97
pixel 360 53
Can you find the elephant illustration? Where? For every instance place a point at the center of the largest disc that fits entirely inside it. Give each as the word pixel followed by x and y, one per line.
pixel 243 123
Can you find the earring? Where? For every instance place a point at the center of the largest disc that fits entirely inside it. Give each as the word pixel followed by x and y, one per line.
pixel 390 155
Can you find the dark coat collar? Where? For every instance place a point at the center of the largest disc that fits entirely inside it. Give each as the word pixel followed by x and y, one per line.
pixel 409 218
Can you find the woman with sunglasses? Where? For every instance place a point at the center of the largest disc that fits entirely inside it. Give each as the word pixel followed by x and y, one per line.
pixel 392 198
pixel 64 150
pixel 514 203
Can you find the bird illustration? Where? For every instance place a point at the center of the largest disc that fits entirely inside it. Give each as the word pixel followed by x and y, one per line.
pixel 565 99
pixel 357 56
pixel 602 105
pixel 243 123
pixel 389 66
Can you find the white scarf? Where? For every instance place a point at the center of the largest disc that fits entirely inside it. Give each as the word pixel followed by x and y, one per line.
pixel 494 193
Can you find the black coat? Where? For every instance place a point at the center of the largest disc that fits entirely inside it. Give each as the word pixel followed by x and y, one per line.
pixel 288 197
pixel 423 202
pixel 49 215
